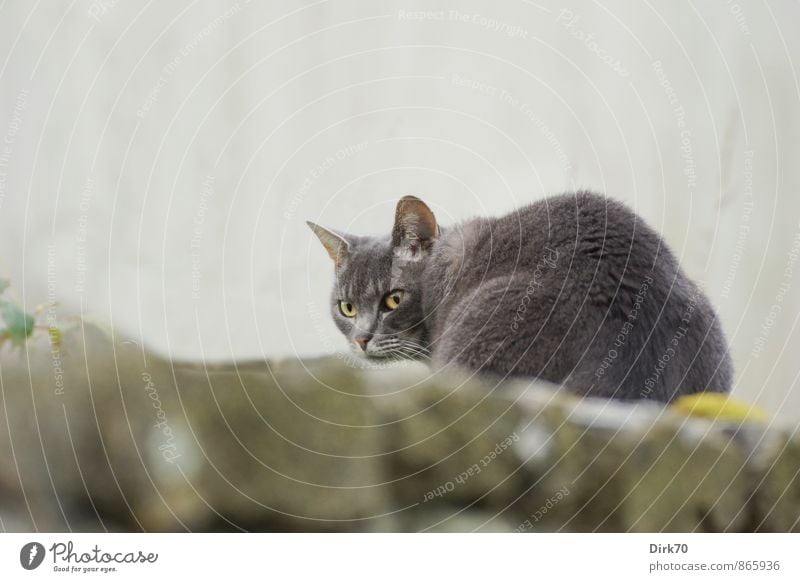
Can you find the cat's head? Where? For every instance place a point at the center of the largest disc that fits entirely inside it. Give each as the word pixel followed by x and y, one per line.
pixel 377 292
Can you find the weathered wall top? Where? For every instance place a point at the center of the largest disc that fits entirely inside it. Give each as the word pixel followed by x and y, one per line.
pixel 98 434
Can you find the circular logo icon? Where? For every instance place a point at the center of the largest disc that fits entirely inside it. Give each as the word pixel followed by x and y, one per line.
pixel 31 555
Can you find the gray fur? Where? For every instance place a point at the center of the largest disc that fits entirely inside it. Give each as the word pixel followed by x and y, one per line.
pixel 575 289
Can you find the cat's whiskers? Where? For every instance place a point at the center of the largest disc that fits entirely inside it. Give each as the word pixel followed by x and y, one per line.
pixel 399 349
pixel 385 347
pixel 414 345
pixel 413 350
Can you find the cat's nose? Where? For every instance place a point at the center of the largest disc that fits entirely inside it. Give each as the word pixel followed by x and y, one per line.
pixel 362 341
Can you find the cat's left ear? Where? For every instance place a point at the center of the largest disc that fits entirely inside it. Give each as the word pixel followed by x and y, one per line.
pixel 336 244
pixel 415 228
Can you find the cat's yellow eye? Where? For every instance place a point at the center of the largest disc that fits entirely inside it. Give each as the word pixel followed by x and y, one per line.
pixel 393 299
pixel 347 308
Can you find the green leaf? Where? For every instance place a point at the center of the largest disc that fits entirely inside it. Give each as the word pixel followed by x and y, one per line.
pixel 4 283
pixel 19 325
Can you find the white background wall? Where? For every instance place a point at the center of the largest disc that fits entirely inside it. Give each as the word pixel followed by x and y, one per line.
pixel 155 147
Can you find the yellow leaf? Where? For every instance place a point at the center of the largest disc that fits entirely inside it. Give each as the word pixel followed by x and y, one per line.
pixel 55 336
pixel 719 406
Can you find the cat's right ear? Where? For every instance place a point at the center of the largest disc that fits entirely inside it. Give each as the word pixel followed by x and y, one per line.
pixel 336 245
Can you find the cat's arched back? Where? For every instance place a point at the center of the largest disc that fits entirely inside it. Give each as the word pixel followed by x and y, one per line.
pixel 575 289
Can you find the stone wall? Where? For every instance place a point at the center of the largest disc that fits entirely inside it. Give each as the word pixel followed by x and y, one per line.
pixel 98 434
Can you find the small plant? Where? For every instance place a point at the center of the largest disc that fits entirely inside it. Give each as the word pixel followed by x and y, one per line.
pixel 18 324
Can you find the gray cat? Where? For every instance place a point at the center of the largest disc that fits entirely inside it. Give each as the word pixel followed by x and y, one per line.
pixel 575 289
